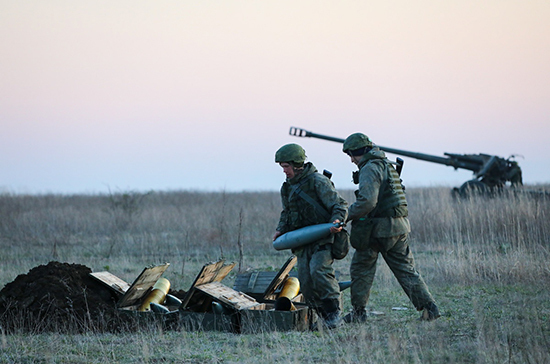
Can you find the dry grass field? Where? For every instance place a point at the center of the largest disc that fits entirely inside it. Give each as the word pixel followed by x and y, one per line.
pixel 486 262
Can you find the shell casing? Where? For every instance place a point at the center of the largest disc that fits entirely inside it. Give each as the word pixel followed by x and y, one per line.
pixel 157 295
pixel 291 288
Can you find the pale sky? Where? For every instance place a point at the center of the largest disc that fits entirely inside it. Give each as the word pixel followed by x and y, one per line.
pixel 198 95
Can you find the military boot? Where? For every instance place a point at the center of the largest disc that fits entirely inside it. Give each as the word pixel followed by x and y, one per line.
pixel 331 314
pixel 358 314
pixel 430 312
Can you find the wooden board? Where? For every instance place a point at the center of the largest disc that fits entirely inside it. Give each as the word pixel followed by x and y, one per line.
pixel 228 296
pixel 211 272
pixel 113 282
pixel 142 285
pixel 281 276
pixel 223 272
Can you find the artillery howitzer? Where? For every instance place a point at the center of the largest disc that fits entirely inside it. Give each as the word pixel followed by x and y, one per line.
pixel 491 173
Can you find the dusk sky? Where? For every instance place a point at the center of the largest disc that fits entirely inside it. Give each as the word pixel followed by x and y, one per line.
pixel 198 95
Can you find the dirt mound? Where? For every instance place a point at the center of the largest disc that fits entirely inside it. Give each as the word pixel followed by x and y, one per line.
pixel 59 297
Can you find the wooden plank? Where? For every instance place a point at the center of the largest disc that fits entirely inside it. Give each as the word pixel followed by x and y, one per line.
pixel 113 282
pixel 142 285
pixel 211 272
pixel 281 276
pixel 207 273
pixel 201 278
pixel 228 296
pixel 223 272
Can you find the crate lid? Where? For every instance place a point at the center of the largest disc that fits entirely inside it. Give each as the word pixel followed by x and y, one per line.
pixel 281 276
pixel 210 273
pixel 119 286
pixel 142 285
pixel 227 296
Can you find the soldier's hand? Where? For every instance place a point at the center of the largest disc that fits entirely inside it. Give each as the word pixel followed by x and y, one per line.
pixel 335 230
pixel 277 234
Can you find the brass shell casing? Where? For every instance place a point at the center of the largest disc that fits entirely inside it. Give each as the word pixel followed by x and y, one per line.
pixel 291 288
pixel 157 294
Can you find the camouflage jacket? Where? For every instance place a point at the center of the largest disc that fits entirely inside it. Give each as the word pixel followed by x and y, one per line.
pixel 298 213
pixel 374 181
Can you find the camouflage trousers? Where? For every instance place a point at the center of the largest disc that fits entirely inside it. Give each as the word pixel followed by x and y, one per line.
pixel 316 275
pixel 398 256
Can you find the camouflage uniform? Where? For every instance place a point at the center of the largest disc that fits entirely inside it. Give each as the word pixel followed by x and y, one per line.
pixel 380 225
pixel 315 272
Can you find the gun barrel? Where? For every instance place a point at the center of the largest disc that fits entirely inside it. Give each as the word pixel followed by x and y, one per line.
pixel 452 162
pixel 448 161
pixel 302 133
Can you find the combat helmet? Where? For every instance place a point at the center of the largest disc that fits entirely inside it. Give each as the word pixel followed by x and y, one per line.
pixel 357 141
pixel 291 153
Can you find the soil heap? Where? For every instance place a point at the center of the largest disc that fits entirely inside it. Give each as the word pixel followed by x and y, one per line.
pixel 59 297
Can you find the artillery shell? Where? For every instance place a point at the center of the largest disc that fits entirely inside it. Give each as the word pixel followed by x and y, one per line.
pixel 172 300
pixel 155 307
pixel 157 295
pixel 291 288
